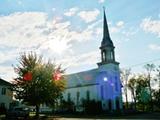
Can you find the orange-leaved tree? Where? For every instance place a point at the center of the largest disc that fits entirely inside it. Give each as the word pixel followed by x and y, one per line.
pixel 35 83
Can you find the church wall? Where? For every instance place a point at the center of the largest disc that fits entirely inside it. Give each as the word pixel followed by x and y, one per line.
pixel 91 89
pixel 109 80
pixel 111 87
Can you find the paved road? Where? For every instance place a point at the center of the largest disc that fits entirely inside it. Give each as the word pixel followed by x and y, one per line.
pixel 153 116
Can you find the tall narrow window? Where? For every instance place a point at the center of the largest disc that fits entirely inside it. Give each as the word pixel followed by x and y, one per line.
pixel 116 84
pixel 104 56
pixel 78 95
pixel 111 55
pixel 88 95
pixel 69 96
pixel 3 91
pixel 102 93
pixel 108 55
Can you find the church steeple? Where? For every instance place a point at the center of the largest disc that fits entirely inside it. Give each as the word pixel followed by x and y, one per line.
pixel 106 36
pixel 105 27
pixel 107 47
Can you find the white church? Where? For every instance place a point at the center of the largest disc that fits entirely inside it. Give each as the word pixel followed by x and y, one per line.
pixel 101 84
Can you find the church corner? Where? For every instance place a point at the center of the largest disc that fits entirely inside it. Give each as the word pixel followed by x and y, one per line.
pixel 96 89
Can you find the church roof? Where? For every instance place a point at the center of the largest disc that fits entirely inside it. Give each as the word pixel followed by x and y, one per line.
pixel 3 82
pixel 84 78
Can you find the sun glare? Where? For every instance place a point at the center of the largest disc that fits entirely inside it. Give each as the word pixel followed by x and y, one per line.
pixel 57 44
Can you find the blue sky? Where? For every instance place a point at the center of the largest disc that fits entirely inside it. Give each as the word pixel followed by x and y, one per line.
pixel 70 31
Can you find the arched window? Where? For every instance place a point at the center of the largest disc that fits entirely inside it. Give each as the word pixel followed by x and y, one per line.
pixel 104 55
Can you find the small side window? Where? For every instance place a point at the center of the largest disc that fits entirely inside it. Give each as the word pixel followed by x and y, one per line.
pixel 3 91
pixel 69 97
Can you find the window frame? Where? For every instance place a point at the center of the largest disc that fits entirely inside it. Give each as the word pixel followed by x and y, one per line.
pixel 3 92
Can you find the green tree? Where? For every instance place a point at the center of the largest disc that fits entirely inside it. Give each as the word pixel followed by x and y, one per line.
pixel 35 83
pixel 125 73
pixel 156 96
pixel 156 93
pixel 142 93
pixel 67 106
pixel 150 68
pixel 132 86
pixel 158 75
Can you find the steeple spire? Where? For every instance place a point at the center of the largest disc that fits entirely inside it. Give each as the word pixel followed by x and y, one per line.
pixel 106 37
pixel 105 27
pixel 107 47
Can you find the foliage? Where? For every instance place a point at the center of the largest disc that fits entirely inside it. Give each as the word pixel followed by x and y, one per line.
pixel 2 110
pixel 142 87
pixel 156 96
pixel 138 85
pixel 125 73
pixel 67 106
pixel 142 92
pixel 132 86
pixel 150 68
pixel 92 106
pixel 40 88
pixel 158 75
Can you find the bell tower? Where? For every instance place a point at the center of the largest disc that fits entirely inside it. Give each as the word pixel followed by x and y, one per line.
pixel 107 47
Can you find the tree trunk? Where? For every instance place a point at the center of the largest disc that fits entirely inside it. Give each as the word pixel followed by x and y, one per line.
pixel 134 98
pixel 37 111
pixel 126 96
pixel 135 104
